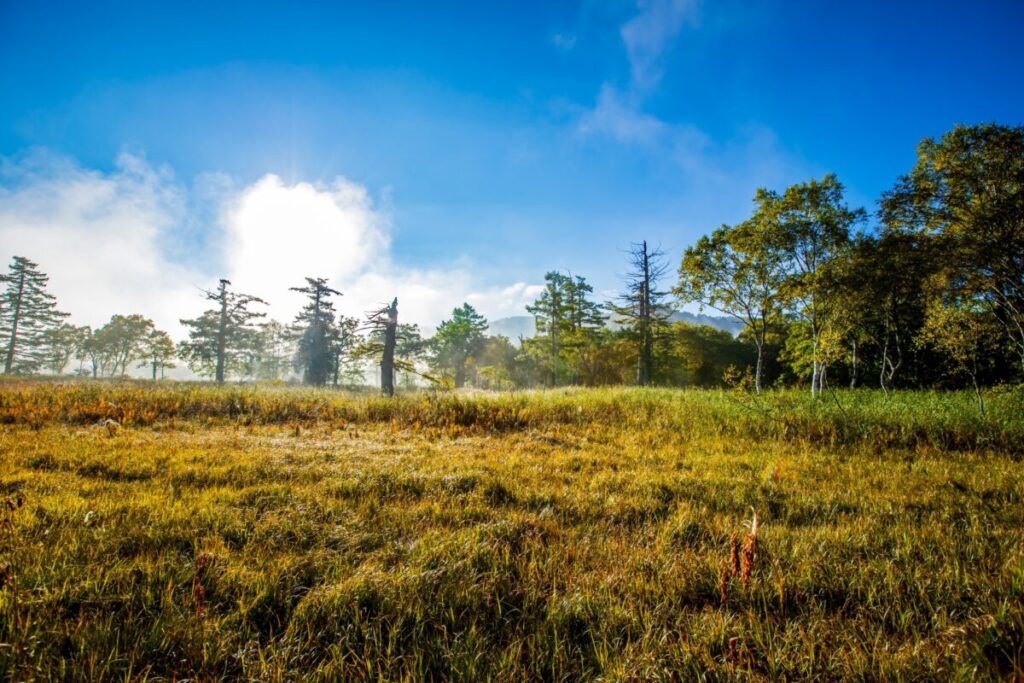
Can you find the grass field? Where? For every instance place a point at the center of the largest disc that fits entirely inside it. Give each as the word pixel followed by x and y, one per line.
pixel 587 534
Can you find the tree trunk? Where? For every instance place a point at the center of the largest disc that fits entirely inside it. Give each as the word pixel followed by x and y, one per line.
pixel 9 363
pixel 222 331
pixel 853 364
pixel 644 370
pixel 387 361
pixel 759 368
pixel 977 392
pixel 885 359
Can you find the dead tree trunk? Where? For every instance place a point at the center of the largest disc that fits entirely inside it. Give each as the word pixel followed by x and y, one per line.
pixel 387 361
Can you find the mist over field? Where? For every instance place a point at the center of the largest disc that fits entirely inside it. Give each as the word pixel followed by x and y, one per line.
pixel 617 340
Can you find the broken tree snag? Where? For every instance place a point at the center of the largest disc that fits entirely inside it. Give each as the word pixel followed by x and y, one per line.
pixel 387 361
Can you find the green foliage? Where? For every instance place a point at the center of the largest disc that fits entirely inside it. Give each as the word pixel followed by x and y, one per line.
pixel 567 322
pixel 113 347
pixel 157 352
pixel 738 271
pixel 28 313
pixel 223 341
pixel 274 351
pixel 62 343
pixel 457 341
pixel 966 192
pixel 315 355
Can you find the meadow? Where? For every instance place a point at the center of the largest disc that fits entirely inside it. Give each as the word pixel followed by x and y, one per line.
pixel 176 532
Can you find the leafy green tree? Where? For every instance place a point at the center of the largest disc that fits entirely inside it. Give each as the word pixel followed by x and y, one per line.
pixel 608 358
pixel 315 354
pixel 457 340
pixel 738 271
pixel 223 339
pixel 966 334
pixel 273 352
pixel 119 342
pixel 62 343
pixel 966 191
pixel 27 313
pixel 810 225
pixel 703 355
pixel 157 352
pixel 881 282
pixel 347 339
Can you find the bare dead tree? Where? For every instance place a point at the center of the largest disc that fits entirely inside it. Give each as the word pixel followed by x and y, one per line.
pixel 641 308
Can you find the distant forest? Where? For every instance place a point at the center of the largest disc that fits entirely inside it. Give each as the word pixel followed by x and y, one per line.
pixel 926 290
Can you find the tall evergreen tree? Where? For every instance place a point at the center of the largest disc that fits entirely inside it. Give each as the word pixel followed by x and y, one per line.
pixel 27 313
pixel 458 339
pixel 315 355
pixel 551 318
pixel 223 339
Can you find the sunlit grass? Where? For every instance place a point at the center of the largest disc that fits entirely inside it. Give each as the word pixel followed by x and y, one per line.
pixel 278 533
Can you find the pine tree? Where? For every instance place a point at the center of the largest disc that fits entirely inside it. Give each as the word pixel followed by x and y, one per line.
pixel 457 340
pixel 223 339
pixel 27 313
pixel 551 317
pixel 315 356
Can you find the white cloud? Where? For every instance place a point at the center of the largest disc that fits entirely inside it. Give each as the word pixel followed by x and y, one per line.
pixel 113 243
pixel 278 234
pixel 98 235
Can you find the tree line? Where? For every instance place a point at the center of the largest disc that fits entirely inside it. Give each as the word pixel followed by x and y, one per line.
pixel 925 291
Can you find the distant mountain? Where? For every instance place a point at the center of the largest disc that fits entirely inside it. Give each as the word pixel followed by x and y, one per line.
pixel 513 327
pixel 523 326
pixel 719 322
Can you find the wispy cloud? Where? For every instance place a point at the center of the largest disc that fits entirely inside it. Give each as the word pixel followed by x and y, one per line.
pixel 646 37
pixel 564 41
pixel 615 116
pixel 650 33
pixel 723 172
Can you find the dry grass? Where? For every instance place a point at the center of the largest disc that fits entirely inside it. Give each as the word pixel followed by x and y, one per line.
pixel 279 534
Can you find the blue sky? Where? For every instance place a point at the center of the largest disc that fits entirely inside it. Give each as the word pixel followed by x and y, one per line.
pixel 494 141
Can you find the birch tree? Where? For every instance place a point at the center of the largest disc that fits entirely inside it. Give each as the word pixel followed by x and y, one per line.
pixel 737 271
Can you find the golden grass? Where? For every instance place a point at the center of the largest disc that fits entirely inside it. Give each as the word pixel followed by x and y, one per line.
pixel 279 534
